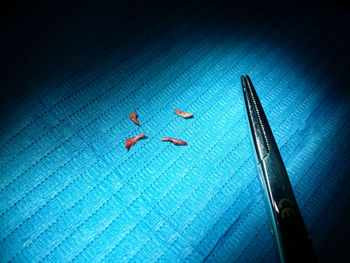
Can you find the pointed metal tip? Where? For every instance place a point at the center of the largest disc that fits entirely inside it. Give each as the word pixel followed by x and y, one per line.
pixel 245 82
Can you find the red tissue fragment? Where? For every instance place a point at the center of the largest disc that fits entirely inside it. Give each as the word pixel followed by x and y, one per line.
pixel 174 141
pixel 133 117
pixel 183 114
pixel 131 141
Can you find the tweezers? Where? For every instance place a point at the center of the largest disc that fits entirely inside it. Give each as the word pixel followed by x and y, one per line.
pixel 292 240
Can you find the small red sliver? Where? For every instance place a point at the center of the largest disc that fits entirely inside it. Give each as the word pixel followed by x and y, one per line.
pixel 174 141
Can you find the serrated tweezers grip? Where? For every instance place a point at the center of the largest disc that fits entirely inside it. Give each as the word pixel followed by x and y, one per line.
pixel 257 119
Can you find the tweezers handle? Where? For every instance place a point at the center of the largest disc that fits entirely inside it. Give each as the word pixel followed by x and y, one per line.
pixel 291 236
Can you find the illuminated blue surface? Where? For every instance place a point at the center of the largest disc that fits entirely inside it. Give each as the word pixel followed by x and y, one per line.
pixel 69 189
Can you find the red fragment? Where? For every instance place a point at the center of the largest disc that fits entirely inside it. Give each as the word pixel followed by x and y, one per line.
pixel 133 117
pixel 174 141
pixel 183 114
pixel 131 141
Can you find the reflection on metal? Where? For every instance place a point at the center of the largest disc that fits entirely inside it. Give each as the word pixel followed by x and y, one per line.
pixel 286 207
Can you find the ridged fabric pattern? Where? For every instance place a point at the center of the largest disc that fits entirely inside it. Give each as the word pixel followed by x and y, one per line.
pixel 71 192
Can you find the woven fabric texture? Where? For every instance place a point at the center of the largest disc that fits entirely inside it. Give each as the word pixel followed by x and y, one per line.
pixel 71 192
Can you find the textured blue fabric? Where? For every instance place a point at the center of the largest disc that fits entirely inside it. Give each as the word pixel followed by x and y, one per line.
pixel 70 191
